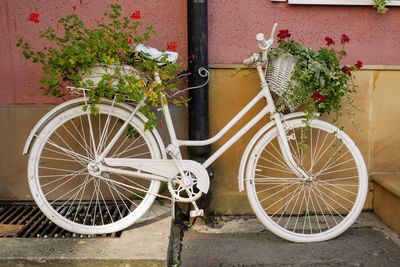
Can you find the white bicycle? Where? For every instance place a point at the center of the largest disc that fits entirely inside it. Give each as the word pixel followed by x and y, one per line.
pixel 100 174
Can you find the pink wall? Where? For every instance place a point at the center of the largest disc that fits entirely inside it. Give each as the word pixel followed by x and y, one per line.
pixel 233 24
pixel 19 78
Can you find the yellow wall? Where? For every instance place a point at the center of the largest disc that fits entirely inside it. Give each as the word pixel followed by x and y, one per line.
pixel 378 139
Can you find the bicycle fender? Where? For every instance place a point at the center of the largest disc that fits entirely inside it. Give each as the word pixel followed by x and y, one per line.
pixel 254 140
pixel 76 102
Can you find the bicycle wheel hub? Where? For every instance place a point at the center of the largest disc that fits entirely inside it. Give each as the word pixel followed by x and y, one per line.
pixel 94 169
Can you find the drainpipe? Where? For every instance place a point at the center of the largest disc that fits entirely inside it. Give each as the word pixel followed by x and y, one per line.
pixel 198 58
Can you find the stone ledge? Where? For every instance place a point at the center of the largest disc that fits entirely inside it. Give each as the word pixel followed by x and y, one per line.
pixel 142 245
pixel 387 199
pixel 390 182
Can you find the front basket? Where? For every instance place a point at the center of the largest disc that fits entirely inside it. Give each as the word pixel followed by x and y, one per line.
pixel 278 77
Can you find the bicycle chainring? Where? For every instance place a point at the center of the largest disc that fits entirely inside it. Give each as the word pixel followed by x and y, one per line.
pixel 184 193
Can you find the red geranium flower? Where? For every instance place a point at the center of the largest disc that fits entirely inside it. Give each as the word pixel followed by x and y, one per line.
pixel 34 17
pixel 135 15
pixel 346 70
pixel 344 39
pixel 358 64
pixel 283 34
pixel 128 41
pixel 329 41
pixel 172 46
pixel 318 97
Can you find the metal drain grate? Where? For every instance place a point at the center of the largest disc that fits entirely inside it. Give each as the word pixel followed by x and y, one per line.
pixel 25 220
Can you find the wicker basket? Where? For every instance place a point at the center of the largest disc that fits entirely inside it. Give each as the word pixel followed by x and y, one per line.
pixel 97 72
pixel 278 75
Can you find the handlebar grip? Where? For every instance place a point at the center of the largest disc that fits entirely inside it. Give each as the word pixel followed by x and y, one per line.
pixel 261 39
pixel 250 60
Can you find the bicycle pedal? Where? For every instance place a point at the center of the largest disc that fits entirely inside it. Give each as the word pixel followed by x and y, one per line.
pixel 196 213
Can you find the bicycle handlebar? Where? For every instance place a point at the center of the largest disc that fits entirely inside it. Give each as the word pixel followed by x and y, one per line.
pixel 265 45
pixel 261 39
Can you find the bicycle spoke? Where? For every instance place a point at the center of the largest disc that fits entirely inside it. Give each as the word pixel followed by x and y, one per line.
pixel 347 169
pixel 333 200
pixel 128 150
pixel 337 194
pixel 295 194
pixel 83 137
pixel 332 167
pixel 329 163
pixel 62 196
pixel 61 178
pixel 91 134
pixel 80 158
pixel 104 133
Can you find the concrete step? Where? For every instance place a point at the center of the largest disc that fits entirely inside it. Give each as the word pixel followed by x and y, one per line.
pixel 144 244
pixel 386 201
pixel 245 242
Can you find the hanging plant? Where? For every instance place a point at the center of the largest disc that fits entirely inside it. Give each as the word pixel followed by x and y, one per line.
pixel 71 58
pixel 319 81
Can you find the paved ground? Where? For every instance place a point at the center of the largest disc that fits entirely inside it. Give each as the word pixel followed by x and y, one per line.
pixel 245 243
pixel 144 244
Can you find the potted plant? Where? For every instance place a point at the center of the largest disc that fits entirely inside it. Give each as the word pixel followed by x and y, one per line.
pixel 101 59
pixel 316 80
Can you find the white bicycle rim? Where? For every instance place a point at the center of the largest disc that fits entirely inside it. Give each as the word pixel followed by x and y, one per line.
pixel 326 196
pixel 133 203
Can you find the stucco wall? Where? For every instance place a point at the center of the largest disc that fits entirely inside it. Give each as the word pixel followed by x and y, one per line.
pixel 20 78
pixel 378 137
pixel 233 25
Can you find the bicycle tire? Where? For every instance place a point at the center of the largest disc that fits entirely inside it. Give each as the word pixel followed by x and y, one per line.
pixel 332 199
pixel 69 195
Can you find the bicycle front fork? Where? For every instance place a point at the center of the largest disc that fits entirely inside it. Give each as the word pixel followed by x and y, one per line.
pixel 285 148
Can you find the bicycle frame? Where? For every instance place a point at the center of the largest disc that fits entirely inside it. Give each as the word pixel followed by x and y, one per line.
pixel 174 148
pixel 269 108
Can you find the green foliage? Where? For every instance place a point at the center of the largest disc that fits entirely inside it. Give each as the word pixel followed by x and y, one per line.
pixel 380 6
pixel 69 58
pixel 319 82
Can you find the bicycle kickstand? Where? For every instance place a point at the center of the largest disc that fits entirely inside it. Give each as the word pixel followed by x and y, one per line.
pixel 196 212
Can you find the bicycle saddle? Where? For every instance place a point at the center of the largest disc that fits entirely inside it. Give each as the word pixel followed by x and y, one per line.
pixel 155 54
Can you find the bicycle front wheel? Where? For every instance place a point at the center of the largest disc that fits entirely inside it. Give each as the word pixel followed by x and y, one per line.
pixel 314 209
pixel 62 181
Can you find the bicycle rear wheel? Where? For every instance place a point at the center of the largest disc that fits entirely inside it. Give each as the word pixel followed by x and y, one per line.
pixel 307 210
pixel 73 197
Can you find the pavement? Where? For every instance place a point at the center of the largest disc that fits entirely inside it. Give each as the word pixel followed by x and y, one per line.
pixel 144 244
pixel 231 242
pixel 245 242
